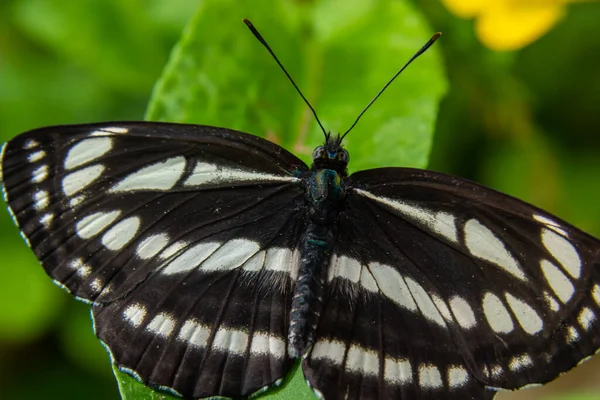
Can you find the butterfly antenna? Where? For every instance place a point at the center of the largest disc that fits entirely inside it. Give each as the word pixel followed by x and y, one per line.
pixel 264 43
pixel 413 58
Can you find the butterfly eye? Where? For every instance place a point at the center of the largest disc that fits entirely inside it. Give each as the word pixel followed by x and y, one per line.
pixel 319 152
pixel 342 156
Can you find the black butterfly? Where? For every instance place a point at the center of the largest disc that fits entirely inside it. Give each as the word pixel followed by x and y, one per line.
pixel 213 258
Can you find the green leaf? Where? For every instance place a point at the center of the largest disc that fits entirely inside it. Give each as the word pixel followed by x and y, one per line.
pixel 79 343
pixel 340 53
pixel 28 309
pixel 294 387
pixel 120 42
pixel 131 389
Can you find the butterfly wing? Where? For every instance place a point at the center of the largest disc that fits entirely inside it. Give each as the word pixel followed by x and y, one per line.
pixel 455 290
pixel 182 237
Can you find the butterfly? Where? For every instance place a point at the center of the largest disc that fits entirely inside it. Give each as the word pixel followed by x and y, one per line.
pixel 214 259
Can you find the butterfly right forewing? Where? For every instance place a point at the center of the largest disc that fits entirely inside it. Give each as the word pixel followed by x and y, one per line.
pixel 441 288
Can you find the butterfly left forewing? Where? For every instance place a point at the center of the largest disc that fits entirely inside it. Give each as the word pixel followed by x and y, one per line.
pixel 157 182
pixel 474 289
pixel 184 238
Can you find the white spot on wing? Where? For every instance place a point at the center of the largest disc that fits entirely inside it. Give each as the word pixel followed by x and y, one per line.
pixel 159 176
pixel 41 200
pixel 483 244
pixel 485 371
pixel 426 305
pixel 442 223
pixel 173 249
pixel 30 144
pixel 586 318
pixel 152 245
pixel 121 233
pixel 135 314
pixel 345 268
pixel 496 314
pixel 445 225
pixel 363 361
pixel 551 224
pixel 80 268
pixel 331 350
pixel 195 334
pixel 429 376
pixel 397 371
pixel 84 271
pixel 529 320
pixel 76 264
pixel 162 325
pixel 367 281
pixel 110 129
pixel 86 151
pixel 95 223
pixel 457 376
pixel 205 173
pixel 497 371
pixel 256 262
pixel 392 285
pixel 572 334
pixel 279 259
pixel 232 254
pixel 96 285
pixel 116 129
pixel 558 281
pixel 230 341
pixel 79 180
pixel 552 303
pixel 442 307
pixel 36 156
pixel 47 219
pixel 75 201
pixel 463 313
pixel 295 264
pixel 519 362
pixel 563 251
pixel 263 343
pixel 596 294
pixel 39 174
pixel 190 258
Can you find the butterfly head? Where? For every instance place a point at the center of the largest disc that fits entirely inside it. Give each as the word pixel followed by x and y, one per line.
pixel 331 155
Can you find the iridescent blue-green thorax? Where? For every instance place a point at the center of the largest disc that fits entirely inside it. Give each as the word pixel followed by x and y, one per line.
pixel 325 190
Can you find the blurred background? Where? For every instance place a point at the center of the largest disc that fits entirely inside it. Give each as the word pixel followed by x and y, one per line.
pixel 520 114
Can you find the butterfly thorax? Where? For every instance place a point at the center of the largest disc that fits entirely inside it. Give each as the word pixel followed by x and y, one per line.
pixel 324 193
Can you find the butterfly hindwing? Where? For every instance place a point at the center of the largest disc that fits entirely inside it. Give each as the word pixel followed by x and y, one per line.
pixel 379 335
pixel 455 288
pixel 184 238
pixel 204 333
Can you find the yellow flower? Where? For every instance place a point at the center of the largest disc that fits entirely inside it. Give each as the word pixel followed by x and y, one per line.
pixel 509 24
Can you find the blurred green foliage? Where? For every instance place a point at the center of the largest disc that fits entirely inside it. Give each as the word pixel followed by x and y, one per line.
pixel 524 123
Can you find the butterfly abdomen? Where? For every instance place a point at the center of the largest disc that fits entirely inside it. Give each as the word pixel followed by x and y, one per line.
pixel 324 195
